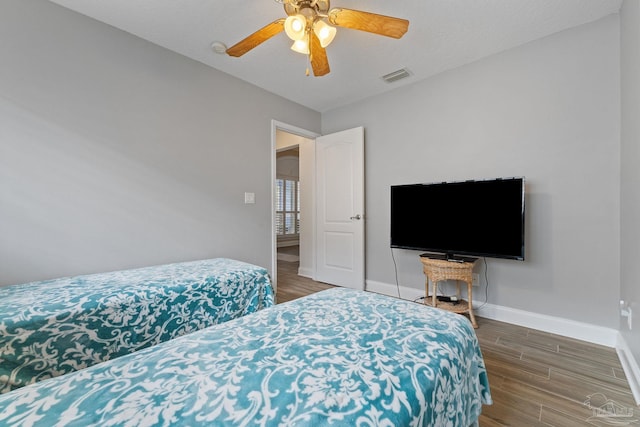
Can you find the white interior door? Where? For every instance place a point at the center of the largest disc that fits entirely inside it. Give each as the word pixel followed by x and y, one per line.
pixel 340 208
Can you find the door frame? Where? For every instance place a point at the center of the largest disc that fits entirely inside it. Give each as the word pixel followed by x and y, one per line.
pixel 285 127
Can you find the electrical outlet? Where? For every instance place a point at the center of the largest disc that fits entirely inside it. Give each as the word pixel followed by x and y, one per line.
pixel 476 279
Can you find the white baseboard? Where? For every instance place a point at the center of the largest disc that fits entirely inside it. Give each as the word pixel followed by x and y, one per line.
pixel 305 272
pixel 630 367
pixel 552 324
pixel 555 325
pixel 410 294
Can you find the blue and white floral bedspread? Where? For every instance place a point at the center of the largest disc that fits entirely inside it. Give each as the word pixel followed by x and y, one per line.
pixel 340 357
pixel 58 326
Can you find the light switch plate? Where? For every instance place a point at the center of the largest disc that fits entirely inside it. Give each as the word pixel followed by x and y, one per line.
pixel 249 198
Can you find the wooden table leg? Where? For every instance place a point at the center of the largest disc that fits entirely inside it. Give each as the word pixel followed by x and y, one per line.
pixel 434 297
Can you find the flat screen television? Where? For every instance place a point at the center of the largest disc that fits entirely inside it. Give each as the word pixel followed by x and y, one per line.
pixel 480 218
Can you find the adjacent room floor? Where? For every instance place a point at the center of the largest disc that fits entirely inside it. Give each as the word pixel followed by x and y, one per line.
pixel 536 378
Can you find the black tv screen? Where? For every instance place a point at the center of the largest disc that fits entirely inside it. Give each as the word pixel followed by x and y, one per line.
pixel 482 218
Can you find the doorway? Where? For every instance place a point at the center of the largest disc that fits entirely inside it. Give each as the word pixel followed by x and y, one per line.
pixel 293 149
pixel 330 217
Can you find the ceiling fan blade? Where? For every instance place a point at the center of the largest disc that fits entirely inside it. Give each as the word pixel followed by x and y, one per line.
pixel 257 38
pixel 370 22
pixel 318 56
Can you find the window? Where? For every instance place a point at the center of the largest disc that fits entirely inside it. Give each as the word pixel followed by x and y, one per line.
pixel 287 207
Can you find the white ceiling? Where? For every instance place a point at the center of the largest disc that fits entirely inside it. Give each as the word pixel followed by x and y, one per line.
pixel 443 34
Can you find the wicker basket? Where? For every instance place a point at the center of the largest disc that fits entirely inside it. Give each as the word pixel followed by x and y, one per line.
pixel 438 270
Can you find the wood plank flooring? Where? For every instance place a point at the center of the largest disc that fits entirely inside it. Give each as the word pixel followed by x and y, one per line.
pixel 536 378
pixel 291 286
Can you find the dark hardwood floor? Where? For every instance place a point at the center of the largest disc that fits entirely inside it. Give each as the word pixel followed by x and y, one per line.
pixel 292 286
pixel 536 378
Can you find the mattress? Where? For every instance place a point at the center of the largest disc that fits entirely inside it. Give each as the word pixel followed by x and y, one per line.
pixel 340 357
pixel 54 327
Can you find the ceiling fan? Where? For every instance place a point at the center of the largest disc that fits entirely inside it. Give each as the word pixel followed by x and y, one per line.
pixel 309 25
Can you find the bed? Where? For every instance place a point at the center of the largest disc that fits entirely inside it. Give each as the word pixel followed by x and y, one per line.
pixel 339 357
pixel 54 327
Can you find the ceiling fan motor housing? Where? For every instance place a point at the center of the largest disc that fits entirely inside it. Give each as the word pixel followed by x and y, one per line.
pixel 308 8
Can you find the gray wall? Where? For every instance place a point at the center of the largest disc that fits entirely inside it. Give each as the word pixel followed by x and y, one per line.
pixel 549 111
pixel 116 153
pixel 630 188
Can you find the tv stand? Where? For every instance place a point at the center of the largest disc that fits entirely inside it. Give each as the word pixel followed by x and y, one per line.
pixel 438 268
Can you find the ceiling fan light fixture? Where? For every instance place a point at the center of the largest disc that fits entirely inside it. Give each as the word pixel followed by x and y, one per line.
pixel 311 25
pixel 325 32
pixel 301 46
pixel 295 26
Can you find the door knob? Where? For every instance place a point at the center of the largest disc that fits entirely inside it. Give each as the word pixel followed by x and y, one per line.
pixel 358 216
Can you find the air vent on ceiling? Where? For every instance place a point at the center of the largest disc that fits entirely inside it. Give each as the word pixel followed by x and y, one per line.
pixel 396 75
